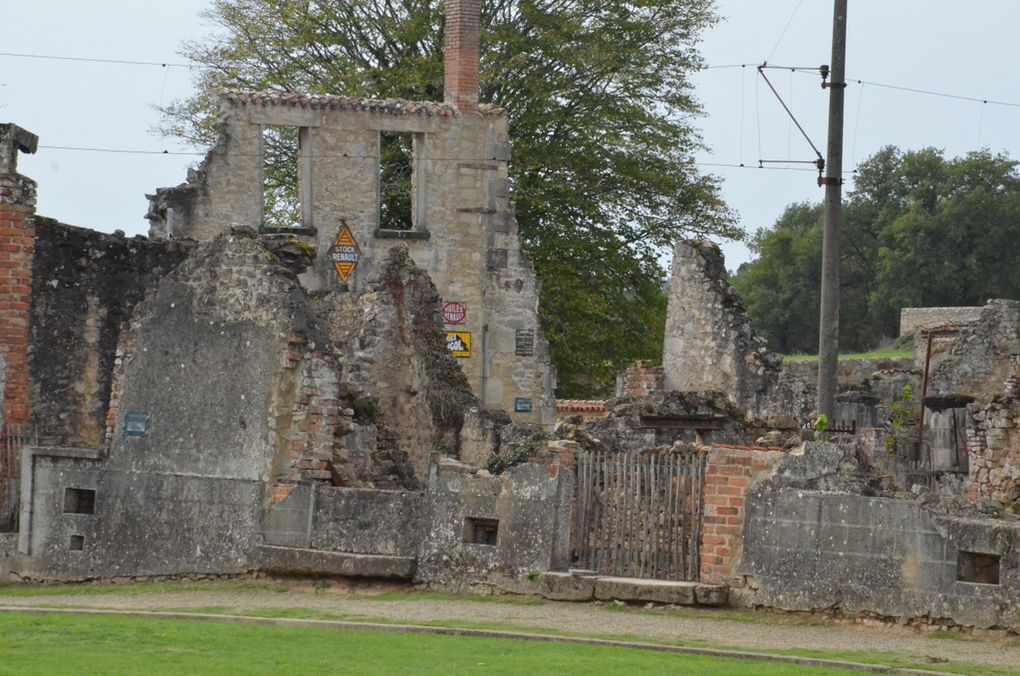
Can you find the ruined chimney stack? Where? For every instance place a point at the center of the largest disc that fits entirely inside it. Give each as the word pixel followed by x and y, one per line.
pixel 461 51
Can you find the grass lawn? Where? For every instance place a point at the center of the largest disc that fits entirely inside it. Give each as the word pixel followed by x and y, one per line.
pixel 881 354
pixel 57 644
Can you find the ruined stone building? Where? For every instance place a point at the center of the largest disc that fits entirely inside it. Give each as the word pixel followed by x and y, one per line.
pixel 337 377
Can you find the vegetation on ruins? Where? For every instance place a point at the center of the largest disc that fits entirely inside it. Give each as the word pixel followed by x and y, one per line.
pixel 601 116
pixel 919 230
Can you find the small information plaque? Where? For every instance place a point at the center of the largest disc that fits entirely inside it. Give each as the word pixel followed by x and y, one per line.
pixel 137 423
pixel 522 405
pixel 525 343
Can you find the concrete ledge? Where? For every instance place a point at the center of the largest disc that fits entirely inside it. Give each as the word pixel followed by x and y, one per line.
pixel 295 561
pixel 566 587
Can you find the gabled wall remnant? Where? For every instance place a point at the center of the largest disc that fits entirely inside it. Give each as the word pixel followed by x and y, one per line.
pixel 711 344
pixel 463 233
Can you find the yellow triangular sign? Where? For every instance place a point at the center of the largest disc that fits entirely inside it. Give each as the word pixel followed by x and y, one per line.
pixel 345 270
pixel 345 238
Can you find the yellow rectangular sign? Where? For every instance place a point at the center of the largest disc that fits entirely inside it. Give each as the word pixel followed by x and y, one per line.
pixel 459 343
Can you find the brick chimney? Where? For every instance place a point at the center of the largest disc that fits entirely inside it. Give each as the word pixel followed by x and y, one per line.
pixel 17 249
pixel 462 36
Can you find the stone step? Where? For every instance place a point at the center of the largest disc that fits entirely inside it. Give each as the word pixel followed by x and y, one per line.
pixel 298 561
pixel 560 586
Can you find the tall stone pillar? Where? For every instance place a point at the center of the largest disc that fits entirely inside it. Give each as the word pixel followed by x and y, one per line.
pixel 17 249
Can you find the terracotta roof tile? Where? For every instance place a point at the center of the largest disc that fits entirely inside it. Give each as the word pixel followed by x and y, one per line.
pixel 391 106
pixel 581 406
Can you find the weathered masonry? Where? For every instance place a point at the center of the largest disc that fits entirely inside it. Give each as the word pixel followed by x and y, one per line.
pixel 429 176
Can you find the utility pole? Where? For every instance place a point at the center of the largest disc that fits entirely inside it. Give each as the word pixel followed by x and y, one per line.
pixel 828 326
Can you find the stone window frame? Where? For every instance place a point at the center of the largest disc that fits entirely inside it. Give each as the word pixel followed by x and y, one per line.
pixel 419 185
pixel 304 178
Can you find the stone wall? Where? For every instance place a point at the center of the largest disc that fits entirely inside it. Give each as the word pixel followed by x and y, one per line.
pixel 463 232
pixel 142 523
pixel 85 286
pixel 914 318
pixel 806 550
pixel 711 343
pixel 980 357
pixel 528 508
pixel 993 452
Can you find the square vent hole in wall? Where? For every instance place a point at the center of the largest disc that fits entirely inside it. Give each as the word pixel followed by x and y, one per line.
pixel 977 568
pixel 479 531
pixel 77 543
pixel 79 501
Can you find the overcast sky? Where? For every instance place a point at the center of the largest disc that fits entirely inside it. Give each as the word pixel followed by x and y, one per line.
pixel 966 49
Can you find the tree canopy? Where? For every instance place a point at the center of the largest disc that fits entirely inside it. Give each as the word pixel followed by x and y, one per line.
pixel 601 116
pixel 918 230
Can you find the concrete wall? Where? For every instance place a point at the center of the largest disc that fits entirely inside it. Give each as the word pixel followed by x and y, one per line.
pixel 533 504
pixel 465 235
pixel 808 550
pixel 914 318
pixel 143 523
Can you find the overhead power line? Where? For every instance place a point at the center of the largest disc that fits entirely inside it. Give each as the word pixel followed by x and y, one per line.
pixel 82 59
pixel 799 69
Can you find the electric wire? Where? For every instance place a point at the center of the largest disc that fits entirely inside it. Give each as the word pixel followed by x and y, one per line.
pixel 195 153
pixel 785 28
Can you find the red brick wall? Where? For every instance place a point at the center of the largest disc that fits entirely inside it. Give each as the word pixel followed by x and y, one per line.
pixel 729 472
pixel 641 380
pixel 461 54
pixel 17 248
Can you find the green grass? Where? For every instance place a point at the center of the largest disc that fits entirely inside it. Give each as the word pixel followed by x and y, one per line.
pixel 56 644
pixel 879 354
pixel 886 658
pixel 22 589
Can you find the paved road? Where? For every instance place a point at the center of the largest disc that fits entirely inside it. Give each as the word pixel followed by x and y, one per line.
pixel 749 631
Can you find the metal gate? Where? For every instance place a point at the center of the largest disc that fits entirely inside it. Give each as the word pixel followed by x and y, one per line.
pixel 639 515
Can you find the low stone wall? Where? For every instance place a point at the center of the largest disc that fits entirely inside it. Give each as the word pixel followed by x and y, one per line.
pixel 481 529
pixel 8 551
pixel 914 318
pixel 139 524
pixel 808 550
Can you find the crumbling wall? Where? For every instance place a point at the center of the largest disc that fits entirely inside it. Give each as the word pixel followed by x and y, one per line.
pixel 85 285
pixel 978 359
pixel 993 450
pixel 410 392
pixel 195 438
pixel 711 343
pixel 525 511
pixel 914 318
pixel 463 232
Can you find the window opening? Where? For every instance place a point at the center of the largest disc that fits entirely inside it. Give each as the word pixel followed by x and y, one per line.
pixel 79 501
pixel 396 181
pixel 977 568
pixel 285 199
pixel 481 531
pixel 77 543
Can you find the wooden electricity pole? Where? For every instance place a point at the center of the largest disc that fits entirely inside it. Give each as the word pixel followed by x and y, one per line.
pixel 828 326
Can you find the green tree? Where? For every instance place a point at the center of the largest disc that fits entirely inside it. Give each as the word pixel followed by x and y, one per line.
pixel 601 115
pixel 918 230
